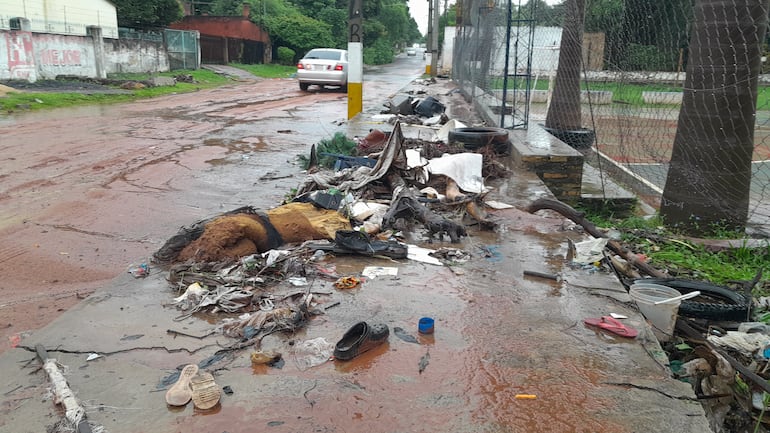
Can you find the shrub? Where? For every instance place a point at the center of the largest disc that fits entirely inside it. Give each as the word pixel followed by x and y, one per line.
pixel 378 54
pixel 286 56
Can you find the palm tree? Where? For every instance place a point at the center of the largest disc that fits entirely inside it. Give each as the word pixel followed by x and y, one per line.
pixel 709 176
pixel 564 117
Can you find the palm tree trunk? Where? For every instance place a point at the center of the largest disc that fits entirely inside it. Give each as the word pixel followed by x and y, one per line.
pixel 564 112
pixel 709 176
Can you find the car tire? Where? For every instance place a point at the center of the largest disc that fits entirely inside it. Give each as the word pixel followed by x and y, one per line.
pixel 344 88
pixel 303 86
pixel 475 138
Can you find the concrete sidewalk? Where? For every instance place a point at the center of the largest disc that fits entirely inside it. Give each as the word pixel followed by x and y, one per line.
pixel 498 334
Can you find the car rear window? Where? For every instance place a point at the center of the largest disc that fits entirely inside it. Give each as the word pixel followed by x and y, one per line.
pixel 323 54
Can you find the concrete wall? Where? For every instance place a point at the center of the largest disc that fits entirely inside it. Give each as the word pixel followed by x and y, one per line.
pixel 135 56
pixel 17 59
pixel 64 55
pixel 67 17
pixel 39 56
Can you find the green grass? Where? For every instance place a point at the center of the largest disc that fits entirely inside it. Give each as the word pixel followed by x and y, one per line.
pixel 667 250
pixel 626 93
pixel 268 70
pixel 31 100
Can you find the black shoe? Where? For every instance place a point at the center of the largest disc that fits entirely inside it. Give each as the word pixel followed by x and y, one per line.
pixel 360 338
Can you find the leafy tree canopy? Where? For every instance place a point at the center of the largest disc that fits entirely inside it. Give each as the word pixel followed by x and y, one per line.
pixel 147 13
pixel 299 32
pixel 305 24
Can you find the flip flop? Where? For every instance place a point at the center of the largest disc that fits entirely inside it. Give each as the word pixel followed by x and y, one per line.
pixel 205 392
pixel 180 393
pixel 608 323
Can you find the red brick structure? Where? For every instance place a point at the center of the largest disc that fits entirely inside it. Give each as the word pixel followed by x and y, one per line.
pixel 229 39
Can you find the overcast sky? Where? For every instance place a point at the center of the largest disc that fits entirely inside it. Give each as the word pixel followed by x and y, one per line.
pixel 419 11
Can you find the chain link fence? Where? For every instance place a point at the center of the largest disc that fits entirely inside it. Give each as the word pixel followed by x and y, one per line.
pixel 633 86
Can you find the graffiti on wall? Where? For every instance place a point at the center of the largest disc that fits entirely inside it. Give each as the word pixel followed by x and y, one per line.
pixel 53 57
pixel 21 61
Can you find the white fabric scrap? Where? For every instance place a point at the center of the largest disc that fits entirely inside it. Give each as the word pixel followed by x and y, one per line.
pixel 382 117
pixel 298 281
pixel 361 210
pixel 463 168
pixel 414 159
pixel 274 255
pixel 497 204
pixel 745 343
pixel 590 251
pixel 379 271
pixel 421 254
pixel 443 132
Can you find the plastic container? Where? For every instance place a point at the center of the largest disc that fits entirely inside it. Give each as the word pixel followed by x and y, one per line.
pixel 425 325
pixel 662 317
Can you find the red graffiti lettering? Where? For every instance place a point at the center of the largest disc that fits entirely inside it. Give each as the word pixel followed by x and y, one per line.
pixel 60 57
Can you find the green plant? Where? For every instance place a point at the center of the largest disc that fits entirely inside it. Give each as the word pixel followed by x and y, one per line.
pixel 378 54
pixel 681 256
pixel 286 55
pixel 339 144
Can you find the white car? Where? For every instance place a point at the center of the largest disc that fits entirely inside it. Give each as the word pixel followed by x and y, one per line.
pixel 323 67
pixel 411 51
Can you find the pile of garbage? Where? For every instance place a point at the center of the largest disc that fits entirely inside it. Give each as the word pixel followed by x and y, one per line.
pixel 258 267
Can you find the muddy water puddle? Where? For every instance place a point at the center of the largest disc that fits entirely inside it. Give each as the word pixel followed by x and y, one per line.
pixel 497 336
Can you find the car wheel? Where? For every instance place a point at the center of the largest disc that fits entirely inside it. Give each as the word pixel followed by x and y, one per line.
pixel 303 86
pixel 344 88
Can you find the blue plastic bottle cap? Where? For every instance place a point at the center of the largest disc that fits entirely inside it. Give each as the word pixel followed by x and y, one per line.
pixel 425 325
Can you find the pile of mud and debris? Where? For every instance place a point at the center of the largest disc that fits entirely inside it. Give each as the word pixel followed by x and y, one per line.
pixel 89 86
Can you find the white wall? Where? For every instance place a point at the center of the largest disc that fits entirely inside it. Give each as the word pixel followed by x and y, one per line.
pixel 68 17
pixel 545 48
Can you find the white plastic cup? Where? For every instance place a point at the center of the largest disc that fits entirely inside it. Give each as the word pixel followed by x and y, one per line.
pixel 662 317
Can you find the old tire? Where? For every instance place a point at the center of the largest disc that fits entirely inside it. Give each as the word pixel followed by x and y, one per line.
pixel 715 302
pixel 576 138
pixel 475 138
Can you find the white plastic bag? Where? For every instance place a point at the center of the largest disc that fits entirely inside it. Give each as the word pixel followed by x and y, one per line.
pixel 311 353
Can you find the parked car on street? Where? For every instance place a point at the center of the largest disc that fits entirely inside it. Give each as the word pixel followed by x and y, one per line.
pixel 323 67
pixel 411 51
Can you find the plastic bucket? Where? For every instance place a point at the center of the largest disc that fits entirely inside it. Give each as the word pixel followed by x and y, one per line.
pixel 662 317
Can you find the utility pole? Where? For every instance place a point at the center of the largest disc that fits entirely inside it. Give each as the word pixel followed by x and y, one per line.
pixel 434 38
pixel 355 58
pixel 429 38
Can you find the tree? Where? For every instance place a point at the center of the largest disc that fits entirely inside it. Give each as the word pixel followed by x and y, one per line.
pixel 224 8
pixel 147 13
pixel 709 176
pixel 543 14
pixel 564 113
pixel 299 33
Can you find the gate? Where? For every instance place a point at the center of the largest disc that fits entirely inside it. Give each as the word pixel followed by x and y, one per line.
pixel 183 49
